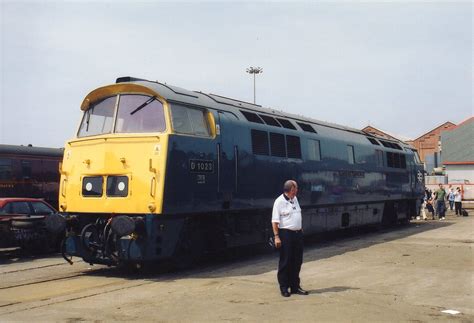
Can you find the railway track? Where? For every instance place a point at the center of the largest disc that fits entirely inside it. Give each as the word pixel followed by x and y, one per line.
pixel 40 282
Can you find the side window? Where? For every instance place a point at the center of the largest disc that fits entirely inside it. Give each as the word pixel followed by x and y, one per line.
pixel 314 149
pixel 379 158
pixel 190 121
pixel 5 169
pixel 259 142
pixel 41 208
pixel 26 169
pixel 350 154
pixel 98 119
pixel 20 208
pixel 50 170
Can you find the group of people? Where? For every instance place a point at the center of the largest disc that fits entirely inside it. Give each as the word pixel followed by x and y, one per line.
pixel 435 202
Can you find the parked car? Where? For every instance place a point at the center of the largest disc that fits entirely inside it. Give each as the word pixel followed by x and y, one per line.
pixel 22 224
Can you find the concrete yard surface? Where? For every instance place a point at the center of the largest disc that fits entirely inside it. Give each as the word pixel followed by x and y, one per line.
pixel 408 273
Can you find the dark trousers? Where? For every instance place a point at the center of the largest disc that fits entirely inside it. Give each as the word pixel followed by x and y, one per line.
pixel 451 204
pixel 291 258
pixel 440 208
pixel 457 207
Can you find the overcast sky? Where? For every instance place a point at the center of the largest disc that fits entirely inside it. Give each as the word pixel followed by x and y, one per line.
pixel 404 67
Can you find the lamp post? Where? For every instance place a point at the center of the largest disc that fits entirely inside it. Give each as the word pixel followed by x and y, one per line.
pixel 254 71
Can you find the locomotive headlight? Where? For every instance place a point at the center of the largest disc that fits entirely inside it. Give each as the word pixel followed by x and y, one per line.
pixel 92 186
pixel 117 186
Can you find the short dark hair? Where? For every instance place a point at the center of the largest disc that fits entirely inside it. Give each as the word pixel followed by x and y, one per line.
pixel 289 184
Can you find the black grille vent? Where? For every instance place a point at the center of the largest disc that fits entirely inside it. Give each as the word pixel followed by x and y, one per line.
pixel 306 127
pixel 373 141
pixel 252 117
pixel 260 142
pixel 269 120
pixel 293 147
pixel 286 124
pixel 277 144
pixel 391 145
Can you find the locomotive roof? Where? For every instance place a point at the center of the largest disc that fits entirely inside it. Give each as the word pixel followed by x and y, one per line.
pixel 31 151
pixel 177 94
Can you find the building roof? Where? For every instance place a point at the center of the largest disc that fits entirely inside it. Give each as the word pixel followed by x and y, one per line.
pixel 436 128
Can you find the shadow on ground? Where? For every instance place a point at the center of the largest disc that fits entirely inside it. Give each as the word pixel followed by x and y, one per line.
pixel 255 261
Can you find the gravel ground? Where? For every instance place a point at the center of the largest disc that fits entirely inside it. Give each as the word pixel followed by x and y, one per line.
pixel 410 273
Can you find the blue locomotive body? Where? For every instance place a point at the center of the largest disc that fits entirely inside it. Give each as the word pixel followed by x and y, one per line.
pixel 219 190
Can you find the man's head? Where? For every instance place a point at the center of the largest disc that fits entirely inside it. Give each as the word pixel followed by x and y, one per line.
pixel 290 188
pixel 441 186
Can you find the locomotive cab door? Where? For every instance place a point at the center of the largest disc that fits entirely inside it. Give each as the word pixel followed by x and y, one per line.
pixel 228 158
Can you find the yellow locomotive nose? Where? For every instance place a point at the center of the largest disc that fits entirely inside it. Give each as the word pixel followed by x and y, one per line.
pixel 114 164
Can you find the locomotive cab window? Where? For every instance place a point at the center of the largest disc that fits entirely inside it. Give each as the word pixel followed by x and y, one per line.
pixel 135 114
pixel 98 119
pixel 190 121
pixel 139 113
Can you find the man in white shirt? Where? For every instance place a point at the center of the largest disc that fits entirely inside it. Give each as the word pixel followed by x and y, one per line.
pixel 287 229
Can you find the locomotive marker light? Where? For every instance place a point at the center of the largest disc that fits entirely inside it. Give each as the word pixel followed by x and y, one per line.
pixel 254 71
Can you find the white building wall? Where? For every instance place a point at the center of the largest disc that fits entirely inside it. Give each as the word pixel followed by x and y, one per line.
pixel 460 174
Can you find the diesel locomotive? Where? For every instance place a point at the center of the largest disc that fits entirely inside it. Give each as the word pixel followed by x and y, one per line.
pixel 157 172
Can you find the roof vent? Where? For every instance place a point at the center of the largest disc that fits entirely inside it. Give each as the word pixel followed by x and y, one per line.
pixel 124 79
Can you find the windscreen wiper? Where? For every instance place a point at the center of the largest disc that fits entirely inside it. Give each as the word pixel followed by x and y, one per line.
pixel 88 119
pixel 141 106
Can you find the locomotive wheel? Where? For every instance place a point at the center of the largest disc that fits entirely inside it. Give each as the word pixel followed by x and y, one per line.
pixel 90 238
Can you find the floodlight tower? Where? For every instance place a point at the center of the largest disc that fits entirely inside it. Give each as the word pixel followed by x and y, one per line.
pixel 254 71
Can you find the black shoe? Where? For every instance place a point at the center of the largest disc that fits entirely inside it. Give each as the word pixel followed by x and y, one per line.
pixel 285 293
pixel 300 291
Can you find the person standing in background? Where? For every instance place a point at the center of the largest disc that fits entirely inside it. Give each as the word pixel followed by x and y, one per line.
pixel 440 204
pixel 458 201
pixel 451 199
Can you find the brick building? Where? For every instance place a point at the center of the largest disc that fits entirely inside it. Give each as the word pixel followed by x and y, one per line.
pixel 429 144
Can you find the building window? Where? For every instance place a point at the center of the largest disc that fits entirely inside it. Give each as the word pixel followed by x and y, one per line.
pixel 350 154
pixel 314 149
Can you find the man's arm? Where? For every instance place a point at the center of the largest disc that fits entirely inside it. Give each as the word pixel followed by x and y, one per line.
pixel 276 234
